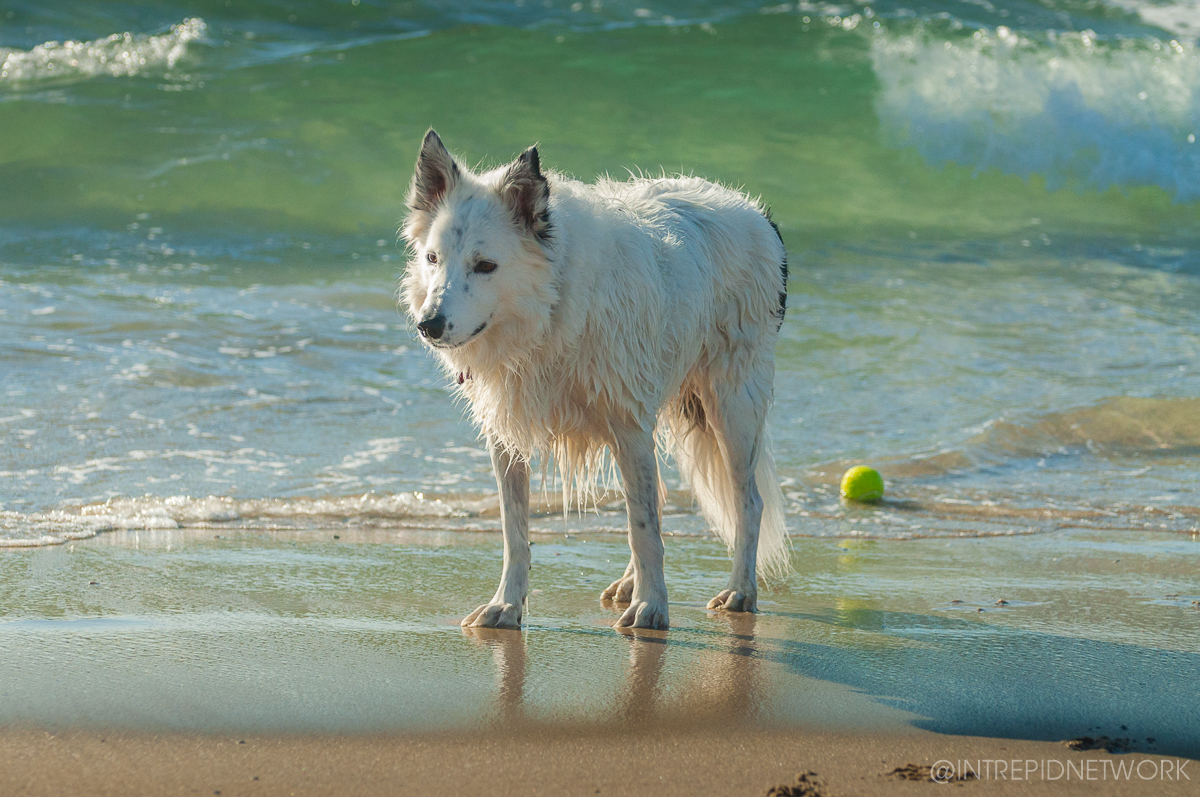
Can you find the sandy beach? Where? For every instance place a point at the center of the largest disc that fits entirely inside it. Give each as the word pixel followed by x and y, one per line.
pixel 721 761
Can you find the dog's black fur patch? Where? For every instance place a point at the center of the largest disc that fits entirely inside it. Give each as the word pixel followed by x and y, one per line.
pixel 783 266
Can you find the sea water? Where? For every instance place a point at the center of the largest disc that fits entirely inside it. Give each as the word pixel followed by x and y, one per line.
pixel 992 212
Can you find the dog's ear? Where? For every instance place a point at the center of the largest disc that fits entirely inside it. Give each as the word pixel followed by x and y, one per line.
pixel 527 193
pixel 435 175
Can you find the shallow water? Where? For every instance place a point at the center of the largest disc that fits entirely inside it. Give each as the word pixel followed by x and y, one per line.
pixel 304 632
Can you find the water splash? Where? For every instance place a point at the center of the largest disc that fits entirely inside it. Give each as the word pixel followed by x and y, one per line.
pixel 1181 17
pixel 1072 107
pixel 118 55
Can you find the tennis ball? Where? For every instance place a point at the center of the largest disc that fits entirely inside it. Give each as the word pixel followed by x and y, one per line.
pixel 861 483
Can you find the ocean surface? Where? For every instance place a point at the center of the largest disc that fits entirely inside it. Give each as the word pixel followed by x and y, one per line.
pixel 992 210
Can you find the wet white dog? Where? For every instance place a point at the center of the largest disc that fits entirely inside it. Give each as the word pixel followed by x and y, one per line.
pixel 584 319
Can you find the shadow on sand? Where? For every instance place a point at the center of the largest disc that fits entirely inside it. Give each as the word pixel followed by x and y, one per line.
pixel 959 676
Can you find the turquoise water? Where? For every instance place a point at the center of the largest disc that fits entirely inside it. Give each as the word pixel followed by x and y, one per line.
pixel 992 213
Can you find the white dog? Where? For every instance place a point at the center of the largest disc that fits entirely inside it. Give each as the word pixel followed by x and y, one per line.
pixel 581 319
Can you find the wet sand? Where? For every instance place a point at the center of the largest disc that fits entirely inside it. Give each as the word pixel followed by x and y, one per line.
pixel 191 662
pixel 725 761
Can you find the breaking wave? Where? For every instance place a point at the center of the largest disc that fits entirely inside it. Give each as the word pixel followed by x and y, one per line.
pixel 1119 429
pixel 1077 109
pixel 118 55
pixel 1180 17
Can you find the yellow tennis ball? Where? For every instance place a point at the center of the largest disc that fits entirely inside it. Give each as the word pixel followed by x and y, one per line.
pixel 861 483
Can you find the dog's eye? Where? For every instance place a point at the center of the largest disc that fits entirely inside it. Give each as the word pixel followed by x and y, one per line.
pixel 431 257
pixel 485 267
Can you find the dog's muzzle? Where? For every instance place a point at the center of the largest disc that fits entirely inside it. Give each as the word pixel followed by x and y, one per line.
pixel 433 326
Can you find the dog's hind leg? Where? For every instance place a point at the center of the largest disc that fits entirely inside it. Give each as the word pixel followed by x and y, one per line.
pixel 634 451
pixel 742 427
pixel 621 590
pixel 505 609
pixel 730 447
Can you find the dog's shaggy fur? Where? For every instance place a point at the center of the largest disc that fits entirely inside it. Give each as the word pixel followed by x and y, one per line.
pixel 584 319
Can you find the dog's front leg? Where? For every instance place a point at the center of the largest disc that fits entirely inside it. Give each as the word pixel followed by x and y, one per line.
pixel 639 473
pixel 505 609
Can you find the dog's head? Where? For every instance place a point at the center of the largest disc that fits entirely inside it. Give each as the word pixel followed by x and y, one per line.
pixel 480 283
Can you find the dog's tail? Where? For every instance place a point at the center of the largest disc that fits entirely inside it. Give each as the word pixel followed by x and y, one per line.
pixel 703 464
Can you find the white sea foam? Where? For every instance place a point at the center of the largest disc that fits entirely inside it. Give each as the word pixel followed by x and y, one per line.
pixel 54 527
pixel 1074 109
pixel 815 511
pixel 119 55
pixel 1181 17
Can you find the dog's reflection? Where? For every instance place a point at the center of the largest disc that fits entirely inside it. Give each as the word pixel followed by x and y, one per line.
pixel 727 685
pixel 639 701
pixel 508 655
pixel 722 682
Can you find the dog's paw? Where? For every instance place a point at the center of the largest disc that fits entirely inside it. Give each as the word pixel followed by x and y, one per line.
pixel 620 591
pixel 732 600
pixel 494 615
pixel 644 614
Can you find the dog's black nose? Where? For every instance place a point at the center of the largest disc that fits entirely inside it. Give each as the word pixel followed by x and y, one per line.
pixel 433 326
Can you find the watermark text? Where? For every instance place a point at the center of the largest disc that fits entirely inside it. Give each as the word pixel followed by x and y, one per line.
pixel 1117 769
